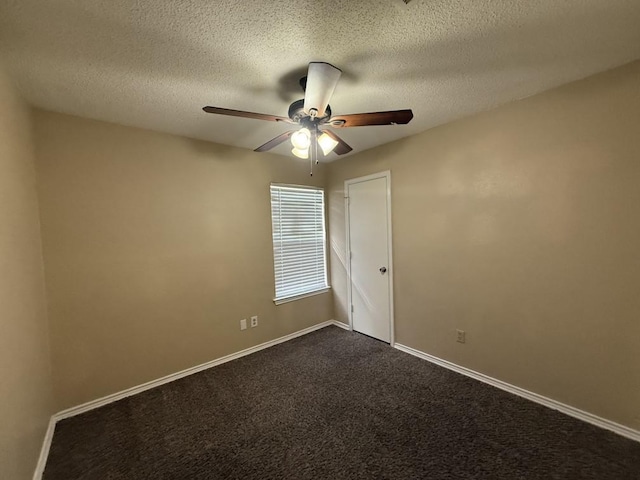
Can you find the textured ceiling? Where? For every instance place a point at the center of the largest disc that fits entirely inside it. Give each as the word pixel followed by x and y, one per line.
pixel 154 64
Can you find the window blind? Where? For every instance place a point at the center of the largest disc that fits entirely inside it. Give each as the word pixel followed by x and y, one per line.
pixel 297 215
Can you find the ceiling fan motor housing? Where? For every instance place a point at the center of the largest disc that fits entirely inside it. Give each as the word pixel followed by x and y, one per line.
pixel 297 113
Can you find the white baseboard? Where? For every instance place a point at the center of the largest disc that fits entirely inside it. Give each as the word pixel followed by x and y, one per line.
pixel 534 397
pixel 114 397
pixel 44 451
pixel 85 407
pixel 99 402
pixel 341 325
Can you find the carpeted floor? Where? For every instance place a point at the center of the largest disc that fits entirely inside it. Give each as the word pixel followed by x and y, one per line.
pixel 333 405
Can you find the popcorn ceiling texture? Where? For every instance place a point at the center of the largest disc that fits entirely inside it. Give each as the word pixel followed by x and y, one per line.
pixel 154 64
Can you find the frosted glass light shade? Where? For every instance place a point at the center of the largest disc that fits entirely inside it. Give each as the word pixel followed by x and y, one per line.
pixel 301 152
pixel 301 139
pixel 327 144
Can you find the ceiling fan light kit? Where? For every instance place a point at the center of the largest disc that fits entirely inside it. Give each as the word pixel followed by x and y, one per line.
pixel 301 139
pixel 327 144
pixel 312 112
pixel 304 154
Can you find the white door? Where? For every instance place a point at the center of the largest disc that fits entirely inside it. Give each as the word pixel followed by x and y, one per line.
pixel 369 244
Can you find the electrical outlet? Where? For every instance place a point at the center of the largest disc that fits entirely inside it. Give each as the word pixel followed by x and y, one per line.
pixel 461 335
pixel 254 321
pixel 243 324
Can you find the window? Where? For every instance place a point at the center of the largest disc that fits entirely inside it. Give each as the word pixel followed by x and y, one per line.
pixel 299 246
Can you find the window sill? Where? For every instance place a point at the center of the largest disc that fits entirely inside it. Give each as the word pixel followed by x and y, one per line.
pixel 280 301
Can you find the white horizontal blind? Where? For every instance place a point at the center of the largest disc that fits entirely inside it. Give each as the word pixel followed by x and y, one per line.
pixel 297 215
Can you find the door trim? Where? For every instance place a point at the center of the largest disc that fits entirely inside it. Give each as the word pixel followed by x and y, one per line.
pixel 385 174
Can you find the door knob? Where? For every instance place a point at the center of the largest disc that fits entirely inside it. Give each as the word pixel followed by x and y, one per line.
pixel 383 270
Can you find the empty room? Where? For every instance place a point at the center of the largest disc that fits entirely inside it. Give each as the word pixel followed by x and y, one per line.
pixel 392 239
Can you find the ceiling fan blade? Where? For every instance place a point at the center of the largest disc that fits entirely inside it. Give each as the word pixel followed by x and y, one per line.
pixel 393 117
pixel 274 142
pixel 240 113
pixel 322 79
pixel 342 147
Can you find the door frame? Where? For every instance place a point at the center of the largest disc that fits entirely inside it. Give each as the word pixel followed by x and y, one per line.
pixel 385 174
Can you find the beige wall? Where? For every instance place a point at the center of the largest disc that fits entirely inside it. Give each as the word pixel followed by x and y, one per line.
pixel 25 377
pixel 155 247
pixel 521 226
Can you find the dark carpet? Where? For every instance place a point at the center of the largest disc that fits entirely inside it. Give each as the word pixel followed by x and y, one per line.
pixel 333 405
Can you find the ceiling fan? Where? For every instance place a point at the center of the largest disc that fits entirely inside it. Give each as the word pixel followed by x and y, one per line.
pixel 313 113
